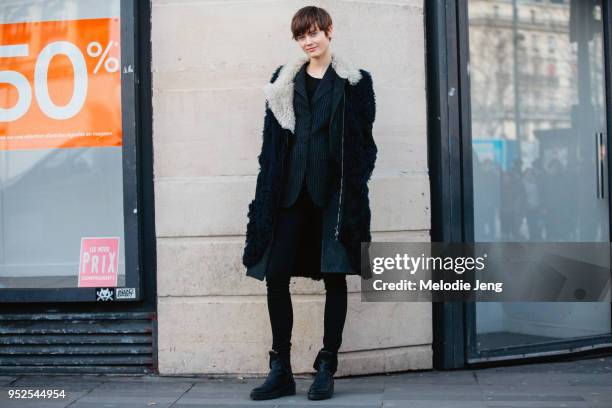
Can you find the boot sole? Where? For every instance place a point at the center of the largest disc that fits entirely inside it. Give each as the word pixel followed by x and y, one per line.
pixel 289 390
pixel 318 397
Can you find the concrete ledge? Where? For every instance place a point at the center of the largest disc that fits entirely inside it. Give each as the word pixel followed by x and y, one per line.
pixel 417 357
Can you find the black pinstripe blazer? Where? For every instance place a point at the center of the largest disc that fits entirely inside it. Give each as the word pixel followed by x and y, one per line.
pixel 308 157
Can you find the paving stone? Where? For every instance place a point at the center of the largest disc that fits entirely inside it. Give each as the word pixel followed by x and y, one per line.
pixel 125 399
pixel 328 404
pixel 80 404
pixel 524 379
pixel 540 404
pixel 225 402
pixel 462 377
pixel 366 385
pixel 440 396
pixel 584 384
pixel 143 389
pixel 586 393
pixel 592 379
pixel 432 404
pixel 410 388
pixel 533 397
pixel 68 383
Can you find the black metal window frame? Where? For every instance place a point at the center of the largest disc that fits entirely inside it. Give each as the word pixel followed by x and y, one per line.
pixel 137 177
pixel 452 201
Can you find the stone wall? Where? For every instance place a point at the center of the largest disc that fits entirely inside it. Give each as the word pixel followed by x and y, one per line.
pixel 210 62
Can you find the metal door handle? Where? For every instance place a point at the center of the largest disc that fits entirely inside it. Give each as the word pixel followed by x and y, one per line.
pixel 600 151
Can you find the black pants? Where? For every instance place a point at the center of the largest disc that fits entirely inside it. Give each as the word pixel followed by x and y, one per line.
pixel 300 222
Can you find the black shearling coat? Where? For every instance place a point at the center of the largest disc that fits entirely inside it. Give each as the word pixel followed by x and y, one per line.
pixel 352 146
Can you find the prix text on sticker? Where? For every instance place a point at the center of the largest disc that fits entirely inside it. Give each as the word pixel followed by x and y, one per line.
pixel 99 261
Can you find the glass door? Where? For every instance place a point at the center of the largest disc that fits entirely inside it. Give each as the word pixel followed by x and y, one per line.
pixel 539 157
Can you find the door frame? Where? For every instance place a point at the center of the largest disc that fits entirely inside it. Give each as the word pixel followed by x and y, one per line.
pixel 451 184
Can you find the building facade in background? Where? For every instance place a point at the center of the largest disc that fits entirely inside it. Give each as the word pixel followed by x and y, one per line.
pixel 129 134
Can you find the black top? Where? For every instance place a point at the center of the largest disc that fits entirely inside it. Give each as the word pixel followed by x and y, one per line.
pixel 311 85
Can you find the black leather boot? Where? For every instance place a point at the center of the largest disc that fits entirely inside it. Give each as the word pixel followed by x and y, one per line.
pixel 326 365
pixel 279 381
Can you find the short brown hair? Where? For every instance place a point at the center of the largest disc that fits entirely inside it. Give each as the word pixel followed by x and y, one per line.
pixel 309 16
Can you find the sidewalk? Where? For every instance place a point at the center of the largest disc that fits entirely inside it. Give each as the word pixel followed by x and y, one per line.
pixel 576 384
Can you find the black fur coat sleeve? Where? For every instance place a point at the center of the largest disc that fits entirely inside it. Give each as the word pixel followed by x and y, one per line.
pixel 259 214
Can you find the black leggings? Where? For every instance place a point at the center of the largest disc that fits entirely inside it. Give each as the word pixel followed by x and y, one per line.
pixel 298 226
pixel 281 312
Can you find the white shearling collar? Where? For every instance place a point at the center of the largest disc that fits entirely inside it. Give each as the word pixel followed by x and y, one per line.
pixel 279 94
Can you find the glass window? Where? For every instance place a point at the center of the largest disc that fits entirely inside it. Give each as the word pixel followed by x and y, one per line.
pixel 539 167
pixel 61 141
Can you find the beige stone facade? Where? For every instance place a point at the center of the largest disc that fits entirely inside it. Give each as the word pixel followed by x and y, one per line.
pixel 210 62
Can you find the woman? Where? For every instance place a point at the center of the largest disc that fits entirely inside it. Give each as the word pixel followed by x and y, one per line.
pixel 311 209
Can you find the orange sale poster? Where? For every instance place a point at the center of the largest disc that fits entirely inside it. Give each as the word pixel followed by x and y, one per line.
pixel 60 84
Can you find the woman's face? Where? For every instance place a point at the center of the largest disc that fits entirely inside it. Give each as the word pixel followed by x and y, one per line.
pixel 314 42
